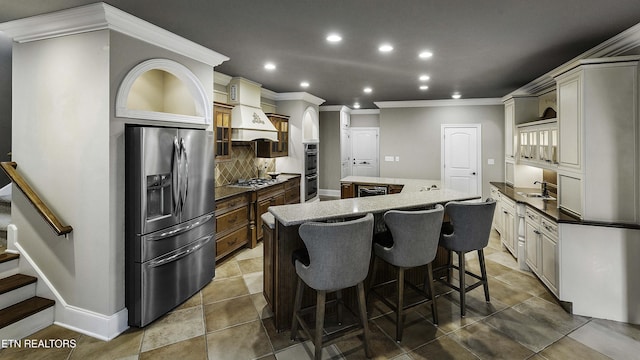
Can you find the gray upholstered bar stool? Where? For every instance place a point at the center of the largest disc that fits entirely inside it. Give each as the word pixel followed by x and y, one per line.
pixel 338 258
pixel 468 230
pixel 415 236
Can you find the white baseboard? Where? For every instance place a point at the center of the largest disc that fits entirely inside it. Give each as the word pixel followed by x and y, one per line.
pixel 329 192
pixel 103 327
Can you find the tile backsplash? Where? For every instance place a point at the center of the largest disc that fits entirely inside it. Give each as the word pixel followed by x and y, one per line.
pixel 242 165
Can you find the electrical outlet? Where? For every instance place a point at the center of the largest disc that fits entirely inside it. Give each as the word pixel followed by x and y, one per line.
pixel 397 158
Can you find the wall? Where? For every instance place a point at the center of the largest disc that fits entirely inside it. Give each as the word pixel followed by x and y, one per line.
pixel 71 149
pixel 365 120
pixel 413 134
pixel 5 103
pixel 329 177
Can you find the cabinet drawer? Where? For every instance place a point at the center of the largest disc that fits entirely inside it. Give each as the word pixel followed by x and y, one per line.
pixel 550 227
pixel 271 191
pixel 292 183
pixel 532 216
pixel 231 203
pixel 233 241
pixel 232 219
pixel 292 196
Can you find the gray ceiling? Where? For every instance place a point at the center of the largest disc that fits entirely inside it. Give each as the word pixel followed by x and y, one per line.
pixel 482 49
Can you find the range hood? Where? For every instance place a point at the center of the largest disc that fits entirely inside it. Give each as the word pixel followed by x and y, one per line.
pixel 248 121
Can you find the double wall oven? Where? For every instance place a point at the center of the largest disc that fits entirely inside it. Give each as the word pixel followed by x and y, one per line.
pixel 311 171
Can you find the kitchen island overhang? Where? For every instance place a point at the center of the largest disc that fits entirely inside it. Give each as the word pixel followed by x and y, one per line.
pixel 279 272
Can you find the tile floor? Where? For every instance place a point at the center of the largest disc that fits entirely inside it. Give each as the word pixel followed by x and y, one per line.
pixel 229 319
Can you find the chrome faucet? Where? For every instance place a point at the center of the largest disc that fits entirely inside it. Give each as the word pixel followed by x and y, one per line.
pixel 545 191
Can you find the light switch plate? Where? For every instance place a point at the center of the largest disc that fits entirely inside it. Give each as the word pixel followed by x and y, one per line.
pixel 388 158
pixel 397 158
pixel 491 161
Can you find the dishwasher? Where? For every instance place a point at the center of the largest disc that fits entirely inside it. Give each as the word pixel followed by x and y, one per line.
pixel 371 190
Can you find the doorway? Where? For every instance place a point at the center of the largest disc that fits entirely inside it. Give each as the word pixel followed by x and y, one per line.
pixel 364 152
pixel 461 159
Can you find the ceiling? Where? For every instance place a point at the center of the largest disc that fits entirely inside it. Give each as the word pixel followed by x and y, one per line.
pixel 481 49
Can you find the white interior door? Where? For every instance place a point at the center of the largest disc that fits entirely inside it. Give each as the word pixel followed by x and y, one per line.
pixel 364 152
pixel 461 165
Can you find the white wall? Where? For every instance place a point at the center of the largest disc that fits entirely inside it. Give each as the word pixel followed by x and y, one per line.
pixel 5 103
pixel 70 147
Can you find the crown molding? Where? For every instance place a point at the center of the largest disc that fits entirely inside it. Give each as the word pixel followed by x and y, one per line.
pixel 268 94
pixel 221 79
pixel 615 46
pixel 299 96
pixel 334 108
pixel 365 112
pixel 434 103
pixel 101 16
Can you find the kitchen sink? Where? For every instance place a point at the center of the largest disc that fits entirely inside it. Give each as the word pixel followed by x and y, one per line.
pixel 535 195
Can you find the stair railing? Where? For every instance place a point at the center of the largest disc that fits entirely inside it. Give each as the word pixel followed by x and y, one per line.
pixel 46 213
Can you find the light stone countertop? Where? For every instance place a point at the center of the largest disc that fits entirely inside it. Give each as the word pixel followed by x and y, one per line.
pixel 295 214
pixel 410 185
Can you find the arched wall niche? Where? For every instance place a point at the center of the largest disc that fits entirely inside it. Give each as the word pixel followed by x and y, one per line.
pixel 310 131
pixel 163 90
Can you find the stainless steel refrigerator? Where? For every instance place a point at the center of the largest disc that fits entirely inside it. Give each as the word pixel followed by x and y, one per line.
pixel 170 220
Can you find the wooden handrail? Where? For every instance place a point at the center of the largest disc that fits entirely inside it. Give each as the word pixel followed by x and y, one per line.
pixel 10 169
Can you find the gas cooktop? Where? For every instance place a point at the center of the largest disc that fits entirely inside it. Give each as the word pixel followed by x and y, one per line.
pixel 254 183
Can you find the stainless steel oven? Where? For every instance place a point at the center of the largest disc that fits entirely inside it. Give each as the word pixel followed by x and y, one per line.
pixel 311 171
pixel 310 159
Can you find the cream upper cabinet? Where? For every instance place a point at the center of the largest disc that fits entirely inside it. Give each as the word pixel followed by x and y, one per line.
pixel 599 165
pixel 508 129
pixel 570 128
pixel 538 143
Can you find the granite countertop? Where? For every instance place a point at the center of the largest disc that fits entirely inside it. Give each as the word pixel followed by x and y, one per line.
pixel 296 214
pixel 409 185
pixel 548 208
pixel 227 191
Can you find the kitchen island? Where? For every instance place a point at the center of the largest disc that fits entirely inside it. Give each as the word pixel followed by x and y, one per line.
pixel 279 272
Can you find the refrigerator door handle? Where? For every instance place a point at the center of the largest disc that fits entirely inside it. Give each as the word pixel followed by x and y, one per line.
pixel 173 256
pixel 185 174
pixel 187 226
pixel 175 176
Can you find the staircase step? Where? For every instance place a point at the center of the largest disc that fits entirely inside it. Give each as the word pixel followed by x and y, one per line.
pixel 26 317
pixel 15 281
pixel 23 309
pixel 4 257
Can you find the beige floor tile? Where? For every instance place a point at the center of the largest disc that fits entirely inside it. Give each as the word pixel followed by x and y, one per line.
pixel 256 252
pixel 191 349
pixel 263 309
pixel 569 349
pixel 127 344
pixel 550 315
pixel 382 346
pixel 280 340
pixel 442 348
pixel 502 292
pixel 304 351
pixel 224 289
pixel 630 330
pixel 489 343
pixel 523 282
pixel 227 269
pixel 254 282
pixel 526 330
pixel 245 341
pixel 52 332
pixel 174 327
pixel 252 265
pixel 417 330
pixel 602 339
pixel 449 318
pixel 222 314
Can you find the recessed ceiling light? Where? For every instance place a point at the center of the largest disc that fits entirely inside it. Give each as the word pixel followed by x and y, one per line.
pixel 367 90
pixel 456 96
pixel 385 48
pixel 270 66
pixel 334 38
pixel 423 87
pixel 425 54
pixel 424 77
pixel 356 105
pixel 304 84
